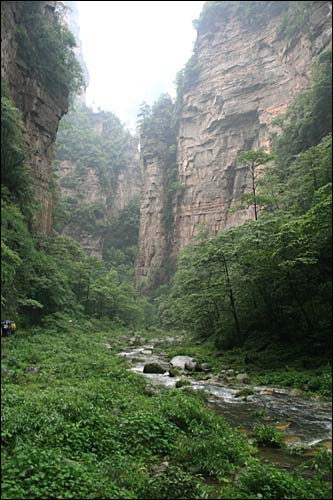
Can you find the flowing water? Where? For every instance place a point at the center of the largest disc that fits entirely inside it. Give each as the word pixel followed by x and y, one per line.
pixel 305 422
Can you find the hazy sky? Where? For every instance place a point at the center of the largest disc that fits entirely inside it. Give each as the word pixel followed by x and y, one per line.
pixel 133 50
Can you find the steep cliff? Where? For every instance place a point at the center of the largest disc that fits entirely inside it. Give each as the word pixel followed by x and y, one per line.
pixel 159 172
pixel 246 68
pixel 41 97
pixel 98 175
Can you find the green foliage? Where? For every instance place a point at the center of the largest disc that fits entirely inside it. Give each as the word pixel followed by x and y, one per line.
pixel 267 435
pixel 14 172
pixel 266 481
pixel 309 119
pixel 252 160
pixel 273 274
pixel 252 14
pixel 182 383
pixel 83 426
pixel 120 243
pixel 316 381
pixel 96 144
pixel 93 140
pixel 297 18
pixel 173 483
pixel 46 47
pixel 188 76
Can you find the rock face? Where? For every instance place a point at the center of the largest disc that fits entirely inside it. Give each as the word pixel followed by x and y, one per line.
pixel 107 194
pixel 245 76
pixel 158 162
pixel 41 111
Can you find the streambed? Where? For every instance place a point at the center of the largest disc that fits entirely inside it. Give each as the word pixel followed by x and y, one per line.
pixel 306 422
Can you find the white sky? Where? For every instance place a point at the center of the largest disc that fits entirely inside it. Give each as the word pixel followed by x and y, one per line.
pixel 133 50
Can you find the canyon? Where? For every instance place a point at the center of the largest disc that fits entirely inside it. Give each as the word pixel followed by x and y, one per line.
pixel 241 77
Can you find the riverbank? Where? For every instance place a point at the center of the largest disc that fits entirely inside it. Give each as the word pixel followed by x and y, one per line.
pixel 78 424
pixel 278 364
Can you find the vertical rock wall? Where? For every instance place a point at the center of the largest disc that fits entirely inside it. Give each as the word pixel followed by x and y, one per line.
pixel 41 111
pixel 246 77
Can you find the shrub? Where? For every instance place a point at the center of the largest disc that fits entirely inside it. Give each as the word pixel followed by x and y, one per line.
pixel 267 435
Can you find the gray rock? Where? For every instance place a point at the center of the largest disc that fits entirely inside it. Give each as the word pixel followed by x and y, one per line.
pixel 107 346
pixel 182 383
pixel 8 373
pixel 180 361
pixel 190 365
pixel 136 340
pixel 231 372
pixel 205 367
pixel 202 367
pixel 32 369
pixel 170 340
pixel 174 372
pixel 155 367
pixel 296 392
pixel 151 391
pixel 243 378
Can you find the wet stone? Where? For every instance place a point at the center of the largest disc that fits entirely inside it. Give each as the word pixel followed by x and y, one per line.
pixel 155 367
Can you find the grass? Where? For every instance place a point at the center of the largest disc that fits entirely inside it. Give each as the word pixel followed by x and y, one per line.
pixel 83 426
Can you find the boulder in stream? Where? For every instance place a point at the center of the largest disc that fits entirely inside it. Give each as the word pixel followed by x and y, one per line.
pixel 243 378
pixel 32 369
pixel 136 340
pixel 174 372
pixel 181 362
pixel 156 367
pixel 296 393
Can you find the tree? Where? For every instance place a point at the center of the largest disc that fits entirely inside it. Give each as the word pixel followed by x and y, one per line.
pixel 252 161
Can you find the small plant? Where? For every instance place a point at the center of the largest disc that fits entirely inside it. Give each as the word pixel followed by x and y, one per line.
pixel 244 393
pixel 173 483
pixel 266 481
pixel 267 435
pixel 260 413
pixel 182 383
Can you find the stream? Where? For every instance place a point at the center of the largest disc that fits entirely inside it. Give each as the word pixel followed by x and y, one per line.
pixel 305 422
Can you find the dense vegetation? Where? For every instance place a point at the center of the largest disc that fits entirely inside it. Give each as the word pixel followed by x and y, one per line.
pixel 253 14
pixel 45 44
pixel 43 276
pixel 77 425
pixel 93 143
pixel 271 278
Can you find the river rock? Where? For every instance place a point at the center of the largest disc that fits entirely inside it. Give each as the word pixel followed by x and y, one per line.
pixel 202 367
pixel 190 366
pixel 170 340
pixel 231 372
pixel 174 372
pixel 32 369
pixel 151 391
pixel 136 340
pixel 180 362
pixel 296 392
pixel 182 383
pixel 156 367
pixel 8 373
pixel 243 378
